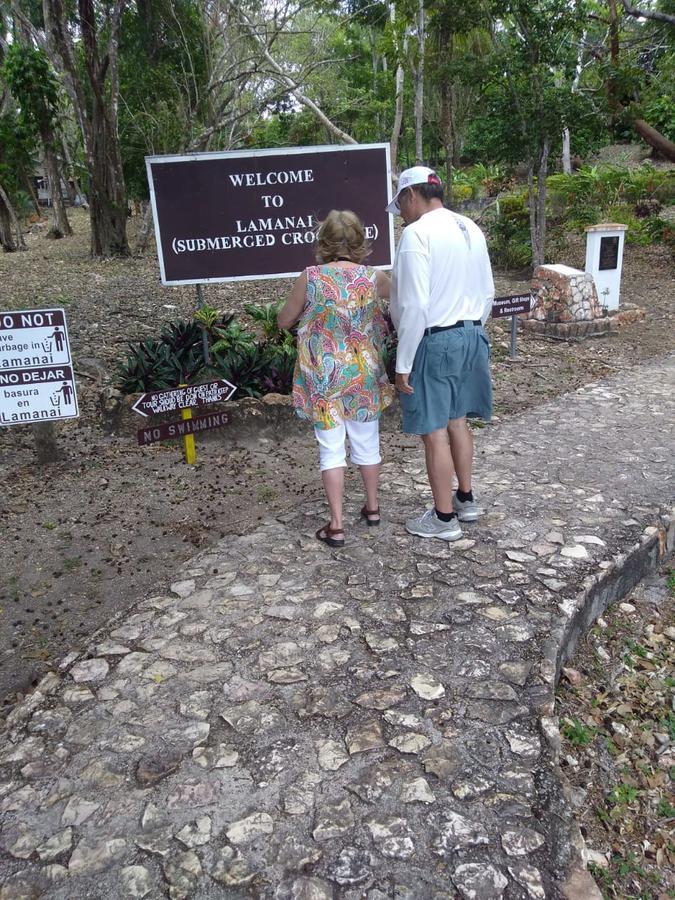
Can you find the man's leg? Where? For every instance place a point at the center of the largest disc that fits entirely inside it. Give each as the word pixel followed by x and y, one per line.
pixel 439 468
pixel 461 447
pixel 454 469
pixel 441 521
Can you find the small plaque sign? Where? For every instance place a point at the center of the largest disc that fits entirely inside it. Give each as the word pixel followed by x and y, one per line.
pixel 512 305
pixel 167 430
pixel 609 253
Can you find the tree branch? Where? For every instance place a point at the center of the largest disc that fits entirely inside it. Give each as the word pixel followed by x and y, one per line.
pixel 654 14
pixel 288 82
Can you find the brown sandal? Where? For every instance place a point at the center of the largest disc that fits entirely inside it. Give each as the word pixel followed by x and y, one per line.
pixel 325 534
pixel 371 512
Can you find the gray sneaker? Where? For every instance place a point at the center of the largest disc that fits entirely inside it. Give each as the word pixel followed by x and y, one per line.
pixel 428 525
pixel 467 510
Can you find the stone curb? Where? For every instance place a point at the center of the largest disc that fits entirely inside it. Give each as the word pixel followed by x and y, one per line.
pixel 623 573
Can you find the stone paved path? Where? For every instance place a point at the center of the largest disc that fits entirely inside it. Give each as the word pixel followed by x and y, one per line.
pixel 375 722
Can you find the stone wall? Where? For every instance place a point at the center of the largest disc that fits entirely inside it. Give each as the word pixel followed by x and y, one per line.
pixel 564 294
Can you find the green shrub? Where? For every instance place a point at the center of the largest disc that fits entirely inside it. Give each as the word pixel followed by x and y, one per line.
pixel 660 113
pixel 266 317
pixel 280 362
pixel 243 366
pixel 508 228
pixel 234 338
pixel 154 365
pixel 460 192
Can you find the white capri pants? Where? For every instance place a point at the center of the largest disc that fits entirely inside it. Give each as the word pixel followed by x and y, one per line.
pixel 364 443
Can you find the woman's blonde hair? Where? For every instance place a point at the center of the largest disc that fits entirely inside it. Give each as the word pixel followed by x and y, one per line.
pixel 341 235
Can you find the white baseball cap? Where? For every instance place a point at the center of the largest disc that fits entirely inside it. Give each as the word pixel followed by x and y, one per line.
pixel 416 175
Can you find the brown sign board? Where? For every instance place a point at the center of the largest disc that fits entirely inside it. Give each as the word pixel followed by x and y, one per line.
pixel 609 253
pixel 233 216
pixel 511 305
pixel 156 402
pixel 167 430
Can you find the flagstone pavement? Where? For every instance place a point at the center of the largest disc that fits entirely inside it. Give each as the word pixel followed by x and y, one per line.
pixel 374 722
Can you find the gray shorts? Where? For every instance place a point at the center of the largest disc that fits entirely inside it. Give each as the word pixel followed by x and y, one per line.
pixel 451 379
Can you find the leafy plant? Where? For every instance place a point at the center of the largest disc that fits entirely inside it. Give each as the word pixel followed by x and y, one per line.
pixel 577 733
pixel 671 581
pixel 213 320
pixel 232 339
pixel 280 362
pixel 181 336
pixel 623 794
pixel 508 227
pixel 266 317
pixel 243 366
pixel 153 365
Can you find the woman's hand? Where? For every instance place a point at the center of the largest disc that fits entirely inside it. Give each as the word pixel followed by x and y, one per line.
pixel 383 284
pixel 292 309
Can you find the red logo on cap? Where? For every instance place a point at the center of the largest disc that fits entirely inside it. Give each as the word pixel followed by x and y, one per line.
pixel 433 179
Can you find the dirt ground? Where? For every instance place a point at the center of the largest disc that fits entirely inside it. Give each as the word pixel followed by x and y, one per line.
pixel 84 538
pixel 615 702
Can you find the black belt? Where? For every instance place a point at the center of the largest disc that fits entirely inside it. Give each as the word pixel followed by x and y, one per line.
pixel 436 328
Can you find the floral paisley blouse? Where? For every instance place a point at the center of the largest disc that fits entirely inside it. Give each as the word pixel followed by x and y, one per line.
pixel 340 372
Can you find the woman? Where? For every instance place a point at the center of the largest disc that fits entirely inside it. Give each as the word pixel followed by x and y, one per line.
pixel 340 383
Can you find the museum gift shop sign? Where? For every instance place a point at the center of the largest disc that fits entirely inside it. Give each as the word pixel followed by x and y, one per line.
pixel 233 216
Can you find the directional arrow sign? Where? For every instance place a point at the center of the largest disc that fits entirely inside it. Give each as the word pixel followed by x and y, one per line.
pixel 155 402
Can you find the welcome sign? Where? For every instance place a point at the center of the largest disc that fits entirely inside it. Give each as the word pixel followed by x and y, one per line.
pixel 241 215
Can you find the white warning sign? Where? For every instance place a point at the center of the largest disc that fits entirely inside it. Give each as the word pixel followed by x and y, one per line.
pixel 37 381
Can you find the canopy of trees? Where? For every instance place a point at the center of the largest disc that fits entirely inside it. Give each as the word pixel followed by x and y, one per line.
pixel 89 88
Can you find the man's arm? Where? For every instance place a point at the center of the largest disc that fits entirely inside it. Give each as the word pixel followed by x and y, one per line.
pixel 413 303
pixel 486 284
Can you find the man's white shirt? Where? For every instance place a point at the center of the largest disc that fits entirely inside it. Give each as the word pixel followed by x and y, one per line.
pixel 441 275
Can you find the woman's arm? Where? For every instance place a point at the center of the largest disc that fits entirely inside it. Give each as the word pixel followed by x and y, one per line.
pixel 383 284
pixel 292 309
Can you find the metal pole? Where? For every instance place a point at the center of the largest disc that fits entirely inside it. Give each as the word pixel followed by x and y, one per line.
pixel 205 337
pixel 514 331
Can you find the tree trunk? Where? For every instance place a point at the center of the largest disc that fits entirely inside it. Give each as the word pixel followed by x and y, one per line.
pixel 541 203
pixel 655 139
pixel 566 155
pixel 612 86
pixel 60 224
pixel 95 104
pixel 398 114
pixel 419 83
pixel 398 117
pixel 107 200
pixel 144 232
pixel 537 205
pixel 11 235
pixel 448 131
pixel 76 186
pixel 30 187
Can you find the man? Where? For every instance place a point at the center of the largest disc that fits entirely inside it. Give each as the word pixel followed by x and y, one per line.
pixel 441 294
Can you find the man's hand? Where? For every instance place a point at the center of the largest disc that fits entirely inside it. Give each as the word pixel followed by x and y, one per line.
pixel 402 383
